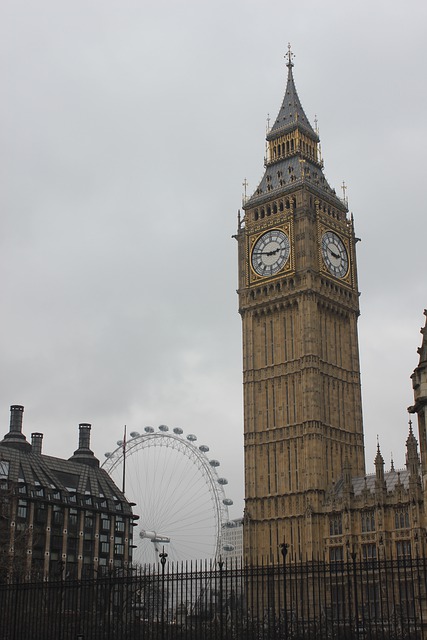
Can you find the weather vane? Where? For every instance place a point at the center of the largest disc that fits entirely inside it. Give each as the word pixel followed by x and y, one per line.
pixel 289 56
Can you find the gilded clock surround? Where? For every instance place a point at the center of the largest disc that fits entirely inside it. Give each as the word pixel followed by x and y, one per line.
pixel 344 234
pixel 286 269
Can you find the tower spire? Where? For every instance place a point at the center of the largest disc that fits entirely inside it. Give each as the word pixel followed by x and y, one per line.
pixel 289 55
pixel 290 138
pixel 380 485
pixel 291 113
pixel 412 459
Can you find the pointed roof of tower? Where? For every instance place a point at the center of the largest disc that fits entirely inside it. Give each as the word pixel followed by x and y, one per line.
pixel 412 459
pixel 379 460
pixel 291 112
pixel 411 440
pixel 293 154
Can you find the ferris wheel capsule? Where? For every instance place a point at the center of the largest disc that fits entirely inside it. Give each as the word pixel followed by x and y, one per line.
pixel 164 469
pixel 134 434
pixel 191 437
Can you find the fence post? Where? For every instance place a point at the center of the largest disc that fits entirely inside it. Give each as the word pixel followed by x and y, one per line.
pixel 284 549
pixel 221 599
pixel 356 596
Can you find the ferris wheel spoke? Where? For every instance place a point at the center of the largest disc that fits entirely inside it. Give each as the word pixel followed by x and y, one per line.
pixel 177 491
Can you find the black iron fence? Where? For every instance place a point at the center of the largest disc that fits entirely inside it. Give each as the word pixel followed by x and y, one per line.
pixel 225 601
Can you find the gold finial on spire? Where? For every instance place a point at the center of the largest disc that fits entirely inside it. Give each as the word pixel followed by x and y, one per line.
pixel 289 56
pixel 344 193
pixel 319 146
pixel 244 185
pixel 267 131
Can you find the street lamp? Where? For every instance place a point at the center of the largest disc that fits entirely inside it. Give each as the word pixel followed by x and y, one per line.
pixel 163 557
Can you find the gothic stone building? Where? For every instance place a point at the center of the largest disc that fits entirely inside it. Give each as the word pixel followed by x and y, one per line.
pixel 59 517
pixel 305 480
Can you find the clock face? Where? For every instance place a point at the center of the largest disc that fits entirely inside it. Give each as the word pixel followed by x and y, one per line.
pixel 271 252
pixel 334 254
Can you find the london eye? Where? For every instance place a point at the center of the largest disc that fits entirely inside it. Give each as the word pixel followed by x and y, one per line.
pixel 177 493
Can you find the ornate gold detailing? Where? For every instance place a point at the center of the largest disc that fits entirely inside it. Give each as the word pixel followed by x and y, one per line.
pixel 289 55
pixel 289 265
pixel 343 239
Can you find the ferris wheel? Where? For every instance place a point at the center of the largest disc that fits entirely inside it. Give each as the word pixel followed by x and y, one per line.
pixel 178 494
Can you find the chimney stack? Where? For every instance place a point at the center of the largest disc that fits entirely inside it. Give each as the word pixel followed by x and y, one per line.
pixel 16 418
pixel 84 435
pixel 36 443
pixel 83 454
pixel 15 437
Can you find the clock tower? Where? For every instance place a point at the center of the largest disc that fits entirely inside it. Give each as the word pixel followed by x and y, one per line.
pixel 299 303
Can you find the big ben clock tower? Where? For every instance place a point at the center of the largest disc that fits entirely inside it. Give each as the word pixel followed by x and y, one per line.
pixel 299 303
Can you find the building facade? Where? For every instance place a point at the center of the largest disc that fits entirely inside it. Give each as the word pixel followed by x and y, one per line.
pixel 305 481
pixel 59 517
pixel 232 539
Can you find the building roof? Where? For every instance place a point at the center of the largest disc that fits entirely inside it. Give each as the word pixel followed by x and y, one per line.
pixel 283 173
pixel 360 484
pixel 291 112
pixel 77 480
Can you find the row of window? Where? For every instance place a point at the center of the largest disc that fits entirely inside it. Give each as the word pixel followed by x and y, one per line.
pixel 288 203
pixel 274 208
pixel 40 516
pixel 369 551
pixel 401 521
pixel 289 147
pixel 38 491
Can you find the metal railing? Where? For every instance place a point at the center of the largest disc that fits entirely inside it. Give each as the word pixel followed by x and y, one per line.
pixel 225 601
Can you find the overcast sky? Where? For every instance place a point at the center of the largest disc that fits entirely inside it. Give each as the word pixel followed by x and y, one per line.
pixel 127 129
